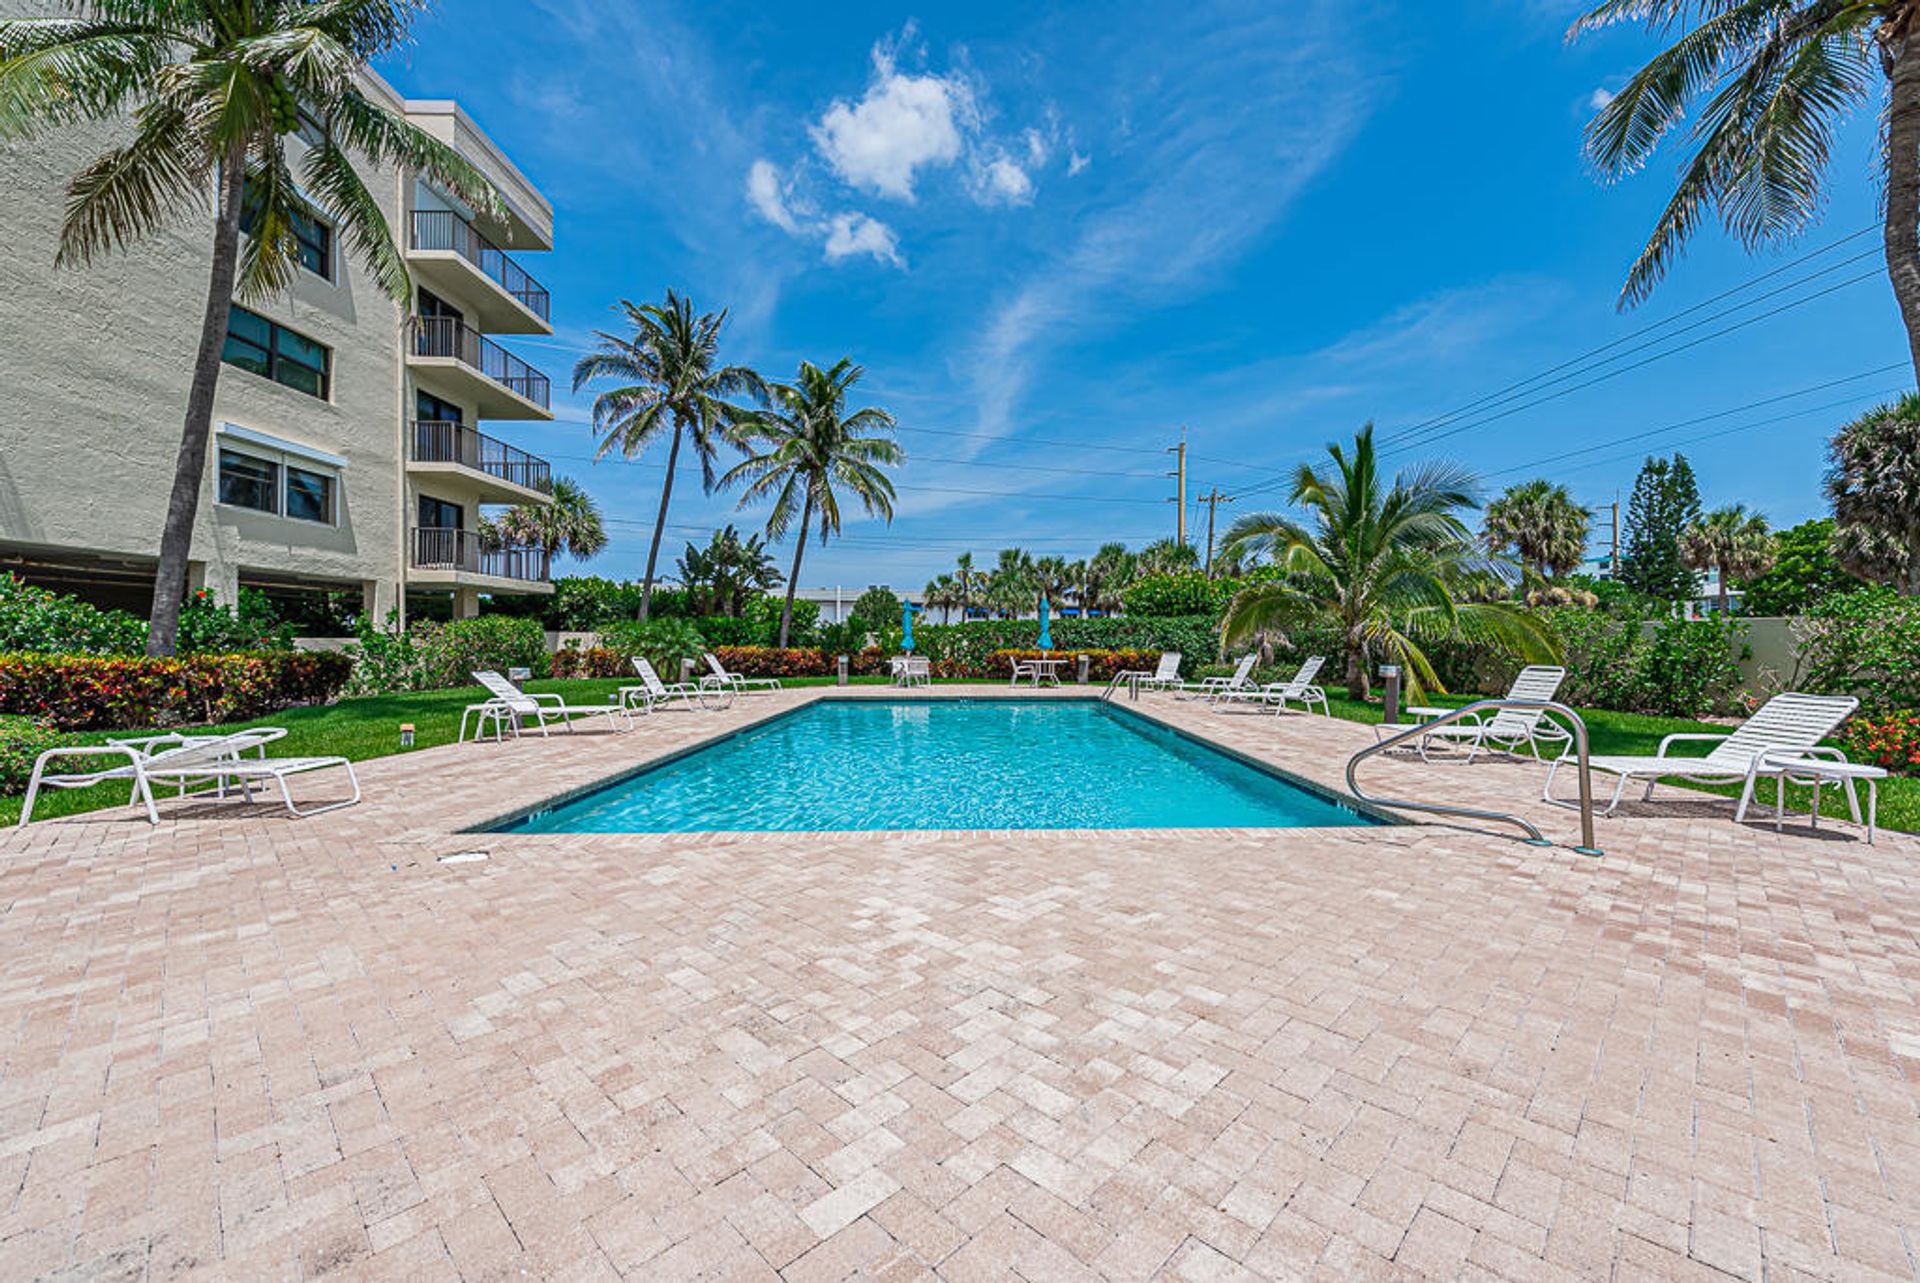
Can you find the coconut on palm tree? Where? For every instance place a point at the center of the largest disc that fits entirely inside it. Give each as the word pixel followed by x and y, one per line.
pixel 569 522
pixel 669 383
pixel 1763 88
pixel 805 450
pixel 1733 542
pixel 214 91
pixel 1539 522
pixel 1386 562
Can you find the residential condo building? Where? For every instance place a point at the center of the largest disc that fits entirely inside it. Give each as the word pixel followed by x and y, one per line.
pixel 350 447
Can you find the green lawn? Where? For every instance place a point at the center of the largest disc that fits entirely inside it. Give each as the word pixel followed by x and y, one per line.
pixel 370 727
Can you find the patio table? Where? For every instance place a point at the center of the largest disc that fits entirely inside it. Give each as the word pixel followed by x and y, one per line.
pixel 1818 771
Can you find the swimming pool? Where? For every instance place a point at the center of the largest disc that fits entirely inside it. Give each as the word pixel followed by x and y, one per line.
pixel 858 764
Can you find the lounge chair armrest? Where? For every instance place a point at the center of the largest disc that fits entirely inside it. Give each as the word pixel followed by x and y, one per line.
pixel 547 697
pixel 127 751
pixel 1695 737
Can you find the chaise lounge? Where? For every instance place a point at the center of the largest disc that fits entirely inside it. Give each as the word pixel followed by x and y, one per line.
pixel 185 761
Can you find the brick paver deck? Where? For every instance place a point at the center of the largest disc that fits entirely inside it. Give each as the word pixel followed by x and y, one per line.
pixel 263 1047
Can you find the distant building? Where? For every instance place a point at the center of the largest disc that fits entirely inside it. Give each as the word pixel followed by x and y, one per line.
pixel 836 603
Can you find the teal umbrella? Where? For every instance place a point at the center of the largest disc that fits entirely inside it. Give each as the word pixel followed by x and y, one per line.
pixel 906 625
pixel 1046 634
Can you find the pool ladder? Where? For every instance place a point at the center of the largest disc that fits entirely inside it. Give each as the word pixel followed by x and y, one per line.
pixel 1534 837
pixel 1130 678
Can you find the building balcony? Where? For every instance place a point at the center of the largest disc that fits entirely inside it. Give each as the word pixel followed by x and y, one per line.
pixel 454 359
pixel 499 472
pixel 454 258
pixel 459 558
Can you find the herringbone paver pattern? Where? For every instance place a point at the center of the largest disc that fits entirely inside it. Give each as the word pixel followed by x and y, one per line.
pixel 259 1047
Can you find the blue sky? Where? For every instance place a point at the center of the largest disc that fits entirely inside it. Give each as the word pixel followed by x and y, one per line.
pixel 1055 234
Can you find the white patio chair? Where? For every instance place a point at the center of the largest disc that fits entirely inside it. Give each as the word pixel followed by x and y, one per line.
pixel 1279 694
pixel 1509 728
pixel 183 761
pixel 1165 673
pixel 740 683
pixel 1214 687
pixel 653 693
pixel 513 706
pixel 910 670
pixel 1786 729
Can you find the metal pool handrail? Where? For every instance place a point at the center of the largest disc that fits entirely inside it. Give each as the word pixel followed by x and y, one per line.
pixel 1578 726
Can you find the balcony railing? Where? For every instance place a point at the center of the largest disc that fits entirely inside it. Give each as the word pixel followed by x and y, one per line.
pixel 446 336
pixel 440 549
pixel 442 441
pixel 441 229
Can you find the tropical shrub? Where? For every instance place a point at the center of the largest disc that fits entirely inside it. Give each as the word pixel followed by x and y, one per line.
pixel 1691 666
pixel 773 661
pixel 1183 594
pixel 1891 740
pixel 90 692
pixel 1865 642
pixel 450 653
pixel 34 619
pixel 1803 575
pixel 584 603
pixel 206 627
pixel 664 642
pixel 730 630
pixel 592 661
pixel 876 608
pixel 969 647
pixel 1602 657
pixel 22 739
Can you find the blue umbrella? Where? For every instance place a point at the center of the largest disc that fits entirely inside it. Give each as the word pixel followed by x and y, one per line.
pixel 906 625
pixel 1046 634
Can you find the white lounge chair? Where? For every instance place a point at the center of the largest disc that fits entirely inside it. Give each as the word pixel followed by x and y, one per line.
pixel 1787 729
pixel 740 683
pixel 1166 673
pixel 511 706
pixel 1509 728
pixel 186 760
pixel 654 693
pixel 1214 687
pixel 1300 687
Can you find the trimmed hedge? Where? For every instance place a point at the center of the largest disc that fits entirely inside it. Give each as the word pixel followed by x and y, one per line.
pixel 22 739
pixel 1101 664
pixel 967 649
pixel 88 692
pixel 772 661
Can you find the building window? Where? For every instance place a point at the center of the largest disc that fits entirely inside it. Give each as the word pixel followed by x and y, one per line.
pixel 309 495
pixel 276 352
pixel 313 237
pixel 249 482
pixel 438 514
pixel 429 408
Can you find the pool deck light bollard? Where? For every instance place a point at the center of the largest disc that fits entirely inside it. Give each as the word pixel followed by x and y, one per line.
pixel 686 671
pixel 840 668
pixel 1390 694
pixel 1080 662
pixel 406 735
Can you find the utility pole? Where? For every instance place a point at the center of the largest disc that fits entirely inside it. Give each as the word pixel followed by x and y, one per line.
pixel 1213 499
pixel 1613 562
pixel 1180 522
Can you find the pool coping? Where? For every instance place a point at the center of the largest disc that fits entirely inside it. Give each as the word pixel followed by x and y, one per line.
pixel 499 825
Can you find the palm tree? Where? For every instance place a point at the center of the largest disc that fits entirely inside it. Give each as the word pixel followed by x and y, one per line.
pixel 968 581
pixel 808 444
pixel 570 521
pixel 1873 482
pixel 1010 584
pixel 212 90
pixel 1109 570
pixel 720 577
pixel 1540 522
pixel 1773 80
pixel 1052 580
pixel 1732 541
pixel 942 594
pixel 669 380
pixel 1388 563
pixel 1166 557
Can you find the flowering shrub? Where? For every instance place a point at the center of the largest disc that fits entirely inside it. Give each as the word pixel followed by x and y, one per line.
pixel 1892 741
pixel 433 656
pixel 771 661
pixel 22 739
pixel 1865 642
pixel 594 661
pixel 90 692
pixel 1101 664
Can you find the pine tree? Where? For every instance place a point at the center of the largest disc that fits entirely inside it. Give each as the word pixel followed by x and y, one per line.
pixel 1665 501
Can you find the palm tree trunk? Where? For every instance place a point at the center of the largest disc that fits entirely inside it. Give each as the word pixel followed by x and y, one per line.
pixel 660 522
pixel 1722 569
pixel 793 580
pixel 190 464
pixel 1900 55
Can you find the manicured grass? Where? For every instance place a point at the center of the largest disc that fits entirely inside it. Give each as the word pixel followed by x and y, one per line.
pixel 1634 734
pixel 370 727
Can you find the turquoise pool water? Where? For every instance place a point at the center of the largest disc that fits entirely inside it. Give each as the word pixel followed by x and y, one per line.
pixel 945 764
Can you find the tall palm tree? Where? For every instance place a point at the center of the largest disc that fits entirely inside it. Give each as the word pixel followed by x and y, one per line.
pixel 1010 585
pixel 1110 569
pixel 213 89
pixel 807 445
pixel 1765 86
pixel 1052 580
pixel 1543 526
pixel 669 381
pixel 1387 562
pixel 942 594
pixel 1166 557
pixel 1736 543
pixel 570 521
pixel 1873 482
pixel 968 581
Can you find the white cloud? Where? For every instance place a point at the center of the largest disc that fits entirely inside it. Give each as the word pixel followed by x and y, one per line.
pixel 1076 162
pixel 905 123
pixel 764 190
pixel 853 233
pixel 1037 149
pixel 1600 98
pixel 1002 182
